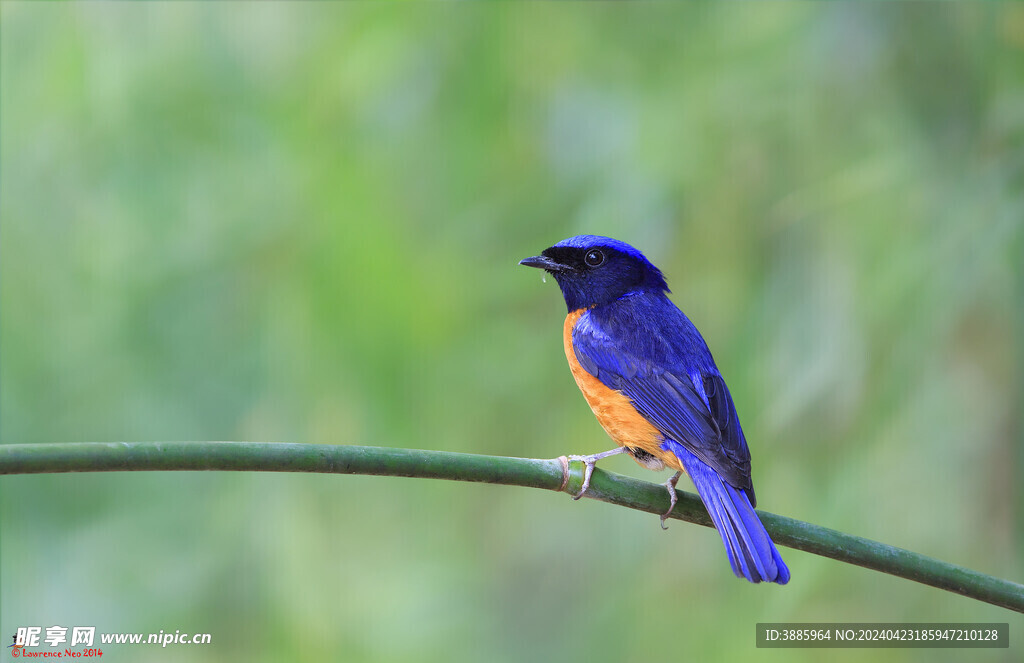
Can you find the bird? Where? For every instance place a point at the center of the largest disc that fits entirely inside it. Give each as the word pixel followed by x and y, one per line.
pixel 651 381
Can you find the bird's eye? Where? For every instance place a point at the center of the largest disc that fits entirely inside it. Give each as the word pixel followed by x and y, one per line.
pixel 594 258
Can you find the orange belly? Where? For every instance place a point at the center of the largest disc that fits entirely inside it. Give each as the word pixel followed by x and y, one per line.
pixel 614 411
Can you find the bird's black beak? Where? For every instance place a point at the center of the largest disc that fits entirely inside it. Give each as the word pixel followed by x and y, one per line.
pixel 545 263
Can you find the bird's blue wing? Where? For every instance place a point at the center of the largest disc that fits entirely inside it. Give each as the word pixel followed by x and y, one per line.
pixel 690 405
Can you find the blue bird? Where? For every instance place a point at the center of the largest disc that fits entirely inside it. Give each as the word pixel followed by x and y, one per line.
pixel 652 383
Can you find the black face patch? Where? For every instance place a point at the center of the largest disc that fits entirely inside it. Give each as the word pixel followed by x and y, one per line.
pixel 569 256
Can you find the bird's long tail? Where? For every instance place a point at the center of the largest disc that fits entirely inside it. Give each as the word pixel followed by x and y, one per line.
pixel 751 552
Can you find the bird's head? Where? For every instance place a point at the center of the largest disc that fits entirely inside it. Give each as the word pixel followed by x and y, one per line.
pixel 593 270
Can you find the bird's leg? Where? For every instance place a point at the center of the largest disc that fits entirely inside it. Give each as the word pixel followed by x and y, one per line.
pixel 671 485
pixel 590 462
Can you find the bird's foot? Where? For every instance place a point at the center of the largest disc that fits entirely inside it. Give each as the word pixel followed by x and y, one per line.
pixel 589 463
pixel 671 486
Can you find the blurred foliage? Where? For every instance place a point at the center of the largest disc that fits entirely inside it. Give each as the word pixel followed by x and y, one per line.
pixel 301 221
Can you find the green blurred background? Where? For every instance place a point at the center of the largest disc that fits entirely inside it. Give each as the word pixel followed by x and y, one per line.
pixel 301 223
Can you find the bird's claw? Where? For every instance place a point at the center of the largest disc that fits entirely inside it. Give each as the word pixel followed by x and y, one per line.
pixel 589 463
pixel 671 486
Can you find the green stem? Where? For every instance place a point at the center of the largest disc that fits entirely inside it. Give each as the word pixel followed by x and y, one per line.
pixel 531 473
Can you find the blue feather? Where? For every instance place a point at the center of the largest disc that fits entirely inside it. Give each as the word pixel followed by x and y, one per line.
pixel 751 552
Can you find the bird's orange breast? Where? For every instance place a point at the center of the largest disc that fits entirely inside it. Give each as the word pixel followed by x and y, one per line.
pixel 614 411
